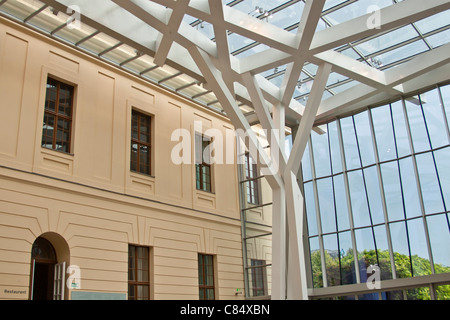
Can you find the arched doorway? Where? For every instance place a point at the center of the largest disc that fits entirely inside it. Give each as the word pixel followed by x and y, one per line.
pixel 47 275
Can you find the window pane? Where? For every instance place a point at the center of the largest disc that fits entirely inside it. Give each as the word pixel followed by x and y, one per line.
pixel 350 145
pixel 374 194
pixel 417 125
pixel 335 147
pixel 321 154
pixel 439 231
pixel 392 190
pixel 418 294
pixel 316 263
pixel 443 292
pixel 326 205
pixel 443 166
pixel 409 185
pixel 384 260
pixel 332 260
pixel 429 185
pixel 366 251
pixel 401 249
pixel 419 251
pixel 445 93
pixel 384 133
pixel 306 165
pixel 432 108
pixel 358 199
pixel 401 134
pixel 51 92
pixel 310 209
pixel 347 258
pixel 365 141
pixel 343 220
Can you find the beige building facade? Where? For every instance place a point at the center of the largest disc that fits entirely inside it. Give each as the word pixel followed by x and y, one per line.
pixel 83 209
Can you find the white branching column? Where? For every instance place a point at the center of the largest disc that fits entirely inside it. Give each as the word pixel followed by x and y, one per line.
pixel 288 260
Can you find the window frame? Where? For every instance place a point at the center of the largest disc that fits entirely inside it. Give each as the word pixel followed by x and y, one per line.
pixel 251 176
pixel 259 272
pixel 135 283
pixel 57 116
pixel 202 269
pixel 200 184
pixel 137 141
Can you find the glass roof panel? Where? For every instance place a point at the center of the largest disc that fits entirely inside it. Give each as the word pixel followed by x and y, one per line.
pixel 46 20
pixel 403 52
pixel 120 54
pixel 287 16
pixel 99 43
pixel 179 81
pixel 192 91
pixel 439 39
pixel 383 51
pixel 356 9
pixel 437 21
pixel 387 40
pixel 75 35
pixel 140 64
pixel 21 9
pixel 161 73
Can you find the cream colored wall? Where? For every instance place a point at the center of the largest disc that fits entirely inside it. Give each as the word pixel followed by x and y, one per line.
pixel 90 197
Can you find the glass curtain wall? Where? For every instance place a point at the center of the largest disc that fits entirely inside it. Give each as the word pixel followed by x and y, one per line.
pixel 377 193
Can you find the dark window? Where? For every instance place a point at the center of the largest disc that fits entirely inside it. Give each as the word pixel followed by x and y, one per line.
pixel 251 175
pixel 138 273
pixel 202 163
pixel 259 277
pixel 140 143
pixel 206 277
pixel 57 128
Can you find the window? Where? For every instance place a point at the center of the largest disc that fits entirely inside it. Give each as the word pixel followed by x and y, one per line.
pixel 202 162
pixel 138 273
pixel 259 277
pixel 140 143
pixel 206 277
pixel 251 175
pixel 57 127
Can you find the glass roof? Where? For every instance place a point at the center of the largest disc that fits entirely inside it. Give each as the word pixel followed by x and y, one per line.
pixel 383 51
